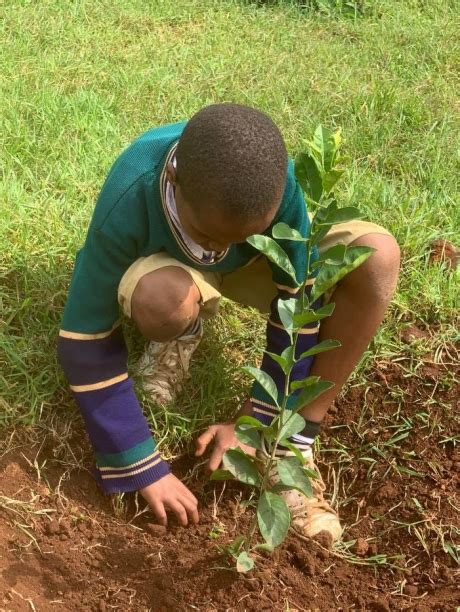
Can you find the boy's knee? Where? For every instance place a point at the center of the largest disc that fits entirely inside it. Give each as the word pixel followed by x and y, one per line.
pixel 165 303
pixel 377 277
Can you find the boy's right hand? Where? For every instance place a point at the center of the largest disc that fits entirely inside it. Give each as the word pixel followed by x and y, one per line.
pixel 169 493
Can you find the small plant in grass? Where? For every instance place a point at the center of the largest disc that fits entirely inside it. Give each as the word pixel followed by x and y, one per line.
pixel 317 171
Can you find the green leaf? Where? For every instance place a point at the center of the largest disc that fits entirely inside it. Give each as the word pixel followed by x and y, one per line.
pixel 310 393
pixel 330 179
pixel 249 435
pixel 286 310
pixel 249 420
pixel 273 252
pixel 329 275
pixel 288 354
pixel 318 232
pixel 273 517
pixel 244 563
pixel 280 360
pixel 282 231
pixel 311 473
pixel 264 546
pixel 309 176
pixel 265 381
pixel 292 424
pixel 310 316
pixel 269 433
pixel 285 360
pixel 306 382
pixel 221 475
pixel 241 466
pixel 235 547
pixel 324 142
pixel 334 255
pixel 294 450
pixel 292 475
pixel 321 347
pixel 342 215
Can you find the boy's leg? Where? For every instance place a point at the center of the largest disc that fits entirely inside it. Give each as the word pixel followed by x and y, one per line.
pixel 165 303
pixel 361 299
pixel 167 299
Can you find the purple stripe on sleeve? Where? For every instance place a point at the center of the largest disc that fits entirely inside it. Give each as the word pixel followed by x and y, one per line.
pixel 113 417
pixel 90 361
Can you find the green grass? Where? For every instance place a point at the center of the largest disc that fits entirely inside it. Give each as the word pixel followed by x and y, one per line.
pixel 82 79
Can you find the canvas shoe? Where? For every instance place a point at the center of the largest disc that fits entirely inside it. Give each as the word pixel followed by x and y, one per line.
pixel 309 515
pixel 164 366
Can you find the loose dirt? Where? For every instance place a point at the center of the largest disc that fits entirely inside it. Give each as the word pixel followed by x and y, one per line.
pixel 65 546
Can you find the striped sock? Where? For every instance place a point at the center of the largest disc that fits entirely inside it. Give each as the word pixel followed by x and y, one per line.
pixel 193 329
pixel 303 440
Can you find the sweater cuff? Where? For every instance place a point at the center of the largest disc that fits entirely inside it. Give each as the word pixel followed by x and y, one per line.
pixel 128 479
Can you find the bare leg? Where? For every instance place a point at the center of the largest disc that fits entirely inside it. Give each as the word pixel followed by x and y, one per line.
pixel 165 303
pixel 361 300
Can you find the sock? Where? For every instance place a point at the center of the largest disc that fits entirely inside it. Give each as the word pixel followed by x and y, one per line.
pixel 303 440
pixel 193 328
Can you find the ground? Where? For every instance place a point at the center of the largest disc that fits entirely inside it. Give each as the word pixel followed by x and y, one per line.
pixel 66 546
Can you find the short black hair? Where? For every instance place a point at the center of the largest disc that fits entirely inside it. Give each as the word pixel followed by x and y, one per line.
pixel 234 157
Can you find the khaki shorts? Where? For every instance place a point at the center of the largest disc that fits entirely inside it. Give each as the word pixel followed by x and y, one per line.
pixel 251 285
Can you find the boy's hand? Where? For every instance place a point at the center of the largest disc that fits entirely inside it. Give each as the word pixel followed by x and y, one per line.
pixel 223 436
pixel 169 493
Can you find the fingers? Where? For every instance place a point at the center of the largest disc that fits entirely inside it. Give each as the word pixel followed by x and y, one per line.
pixel 191 508
pixel 216 458
pixel 159 511
pixel 184 505
pixel 203 441
pixel 179 510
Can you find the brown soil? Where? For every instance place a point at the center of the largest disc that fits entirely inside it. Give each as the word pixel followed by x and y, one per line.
pixel 444 252
pixel 64 546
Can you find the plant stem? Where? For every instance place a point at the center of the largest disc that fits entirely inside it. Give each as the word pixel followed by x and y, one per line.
pixel 279 419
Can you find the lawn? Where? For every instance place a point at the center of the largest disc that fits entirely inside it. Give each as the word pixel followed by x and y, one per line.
pixel 81 79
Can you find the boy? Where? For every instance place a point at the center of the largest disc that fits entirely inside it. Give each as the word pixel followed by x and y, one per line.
pixel 166 240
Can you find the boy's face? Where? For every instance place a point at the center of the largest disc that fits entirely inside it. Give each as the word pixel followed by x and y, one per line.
pixel 211 229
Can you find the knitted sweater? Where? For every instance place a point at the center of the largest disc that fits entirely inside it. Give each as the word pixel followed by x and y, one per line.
pixel 131 220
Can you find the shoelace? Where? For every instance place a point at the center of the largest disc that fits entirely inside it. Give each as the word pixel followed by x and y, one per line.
pixel 165 364
pixel 309 504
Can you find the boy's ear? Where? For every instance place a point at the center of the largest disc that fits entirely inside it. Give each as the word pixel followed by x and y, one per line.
pixel 171 174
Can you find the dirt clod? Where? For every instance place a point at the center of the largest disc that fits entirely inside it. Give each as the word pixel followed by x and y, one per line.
pixel 360 547
pixel 379 605
pixel 412 333
pixel 53 528
pixel 411 590
pixel 386 492
pixel 155 530
pixel 444 252
pixel 373 550
pixel 323 538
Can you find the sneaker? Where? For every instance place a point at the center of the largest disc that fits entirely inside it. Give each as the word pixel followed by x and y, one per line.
pixel 164 366
pixel 309 515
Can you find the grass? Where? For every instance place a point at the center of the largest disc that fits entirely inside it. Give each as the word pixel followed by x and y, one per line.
pixel 82 79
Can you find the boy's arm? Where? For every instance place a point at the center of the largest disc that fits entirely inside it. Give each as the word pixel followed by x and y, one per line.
pixel 92 352
pixel 277 339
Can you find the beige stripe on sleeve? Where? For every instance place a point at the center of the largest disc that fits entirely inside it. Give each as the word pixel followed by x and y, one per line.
pixel 78 336
pixel 99 385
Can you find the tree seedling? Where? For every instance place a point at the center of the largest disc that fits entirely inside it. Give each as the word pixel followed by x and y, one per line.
pixel 317 170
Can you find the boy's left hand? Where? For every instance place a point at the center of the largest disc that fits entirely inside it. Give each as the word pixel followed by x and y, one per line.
pixel 223 436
